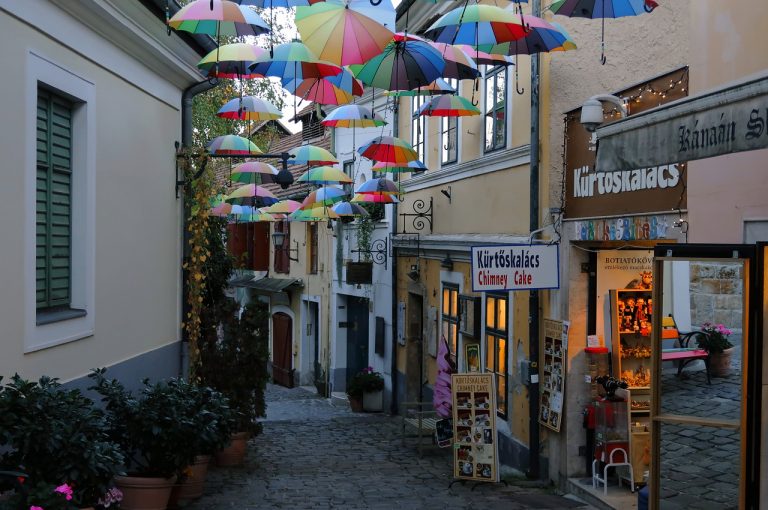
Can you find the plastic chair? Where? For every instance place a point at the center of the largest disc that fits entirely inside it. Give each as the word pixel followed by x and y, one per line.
pixel 611 463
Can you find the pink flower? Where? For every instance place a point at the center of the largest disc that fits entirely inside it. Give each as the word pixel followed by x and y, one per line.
pixel 64 489
pixel 33 507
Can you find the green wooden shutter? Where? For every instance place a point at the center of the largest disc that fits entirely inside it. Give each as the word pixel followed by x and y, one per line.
pixel 54 200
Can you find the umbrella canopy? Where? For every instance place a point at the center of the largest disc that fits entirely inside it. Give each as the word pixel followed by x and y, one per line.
pixel 253 195
pixel 484 58
pixel 293 60
pixel 458 63
pixel 569 43
pixel 350 210
pixel 375 186
pixel 448 106
pixel 218 18
pixel 325 195
pixel 232 144
pixel 254 172
pixel 325 175
pixel 346 31
pixel 338 89
pixel 231 61
pixel 602 8
pixel 249 108
pixel 541 37
pixel 225 209
pixel 254 216
pixel 353 116
pixel 376 198
pixel 403 65
pixel 439 86
pixel 283 207
pixel 393 168
pixel 389 149
pixel 311 155
pixel 320 213
pixel 271 4
pixel 477 25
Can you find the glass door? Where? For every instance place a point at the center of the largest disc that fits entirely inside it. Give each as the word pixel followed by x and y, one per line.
pixel 702 376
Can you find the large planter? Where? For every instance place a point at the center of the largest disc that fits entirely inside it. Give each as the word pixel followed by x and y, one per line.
pixel 191 486
pixel 234 454
pixel 355 403
pixel 720 363
pixel 373 401
pixel 142 493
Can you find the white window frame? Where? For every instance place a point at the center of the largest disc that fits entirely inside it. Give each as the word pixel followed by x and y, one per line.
pixel 63 81
pixel 499 71
pixel 444 123
pixel 419 141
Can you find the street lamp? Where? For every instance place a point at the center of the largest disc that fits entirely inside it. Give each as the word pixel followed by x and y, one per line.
pixel 278 240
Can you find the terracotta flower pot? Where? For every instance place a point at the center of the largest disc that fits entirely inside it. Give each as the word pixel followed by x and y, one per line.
pixel 234 454
pixel 720 363
pixel 190 487
pixel 356 404
pixel 143 493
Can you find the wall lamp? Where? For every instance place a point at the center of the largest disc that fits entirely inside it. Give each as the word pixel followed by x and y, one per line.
pixel 447 193
pixel 278 240
pixel 413 274
pixel 447 263
pixel 592 110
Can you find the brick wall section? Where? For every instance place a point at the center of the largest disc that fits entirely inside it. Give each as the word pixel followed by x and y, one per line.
pixel 717 294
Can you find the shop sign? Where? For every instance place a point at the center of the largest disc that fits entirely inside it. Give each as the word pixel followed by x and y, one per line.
pixel 622 229
pixel 515 267
pixel 474 427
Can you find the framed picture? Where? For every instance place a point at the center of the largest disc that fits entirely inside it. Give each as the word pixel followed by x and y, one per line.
pixel 469 316
pixel 472 352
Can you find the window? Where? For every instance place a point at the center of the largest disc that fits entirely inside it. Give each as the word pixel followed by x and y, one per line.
pixel 450 320
pixel 495 108
pixel 54 202
pixel 312 247
pixel 496 320
pixel 282 253
pixel 349 169
pixel 449 133
pixel 418 127
pixel 249 244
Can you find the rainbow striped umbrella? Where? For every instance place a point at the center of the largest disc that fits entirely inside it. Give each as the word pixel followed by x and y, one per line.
pixel 353 116
pixel 569 44
pixel 448 106
pixel 311 155
pixel 293 60
pixel 377 198
pixel 486 59
pixel 271 4
pixel 602 9
pixel 232 144
pixel 319 213
pixel 375 186
pixel 253 195
pixel 325 175
pixel 403 65
pixel 541 37
pixel 458 63
pixel 325 195
pixel 389 149
pixel 225 209
pixel 231 61
pixel 338 89
pixel 283 207
pixel 439 86
pixel 254 172
pixel 249 108
pixel 218 18
pixel 477 25
pixel 349 210
pixel 255 216
pixel 394 168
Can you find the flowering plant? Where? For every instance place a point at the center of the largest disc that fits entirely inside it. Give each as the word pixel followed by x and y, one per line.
pixel 715 338
pixel 366 380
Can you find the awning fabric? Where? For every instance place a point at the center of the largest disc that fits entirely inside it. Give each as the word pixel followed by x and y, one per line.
pixel 731 118
pixel 267 285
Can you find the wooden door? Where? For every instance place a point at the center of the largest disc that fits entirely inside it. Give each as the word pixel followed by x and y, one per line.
pixel 282 349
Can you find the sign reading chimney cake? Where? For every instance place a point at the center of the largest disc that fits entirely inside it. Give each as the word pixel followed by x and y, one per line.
pixel 515 267
pixel 591 194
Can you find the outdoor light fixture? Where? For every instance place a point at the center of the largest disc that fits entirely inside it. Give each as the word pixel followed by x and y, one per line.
pixel 447 263
pixel 284 178
pixel 278 240
pixel 447 193
pixel 592 110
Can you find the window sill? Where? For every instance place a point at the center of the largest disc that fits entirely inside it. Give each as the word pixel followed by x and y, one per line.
pixel 50 316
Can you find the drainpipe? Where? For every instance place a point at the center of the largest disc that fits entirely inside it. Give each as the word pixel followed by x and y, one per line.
pixel 187 98
pixel 533 300
pixel 393 370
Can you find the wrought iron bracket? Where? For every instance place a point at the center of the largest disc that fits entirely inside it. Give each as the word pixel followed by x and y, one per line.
pixel 407 244
pixel 421 216
pixel 378 251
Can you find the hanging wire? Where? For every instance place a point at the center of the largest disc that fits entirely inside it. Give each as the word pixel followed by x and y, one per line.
pixel 603 59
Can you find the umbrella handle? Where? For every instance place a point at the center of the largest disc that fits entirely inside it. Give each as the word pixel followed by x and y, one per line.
pixel 375 2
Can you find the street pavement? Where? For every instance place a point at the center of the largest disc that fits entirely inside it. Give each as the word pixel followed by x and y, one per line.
pixel 313 455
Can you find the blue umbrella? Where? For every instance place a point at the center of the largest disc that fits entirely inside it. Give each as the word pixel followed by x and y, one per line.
pixel 403 65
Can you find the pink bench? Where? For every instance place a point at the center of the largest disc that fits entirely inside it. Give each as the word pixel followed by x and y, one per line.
pixel 685 355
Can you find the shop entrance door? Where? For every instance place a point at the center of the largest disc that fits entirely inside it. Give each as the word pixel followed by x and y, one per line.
pixel 357 335
pixel 282 349
pixel 705 415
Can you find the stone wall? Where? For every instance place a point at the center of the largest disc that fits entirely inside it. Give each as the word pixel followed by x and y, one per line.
pixel 717 294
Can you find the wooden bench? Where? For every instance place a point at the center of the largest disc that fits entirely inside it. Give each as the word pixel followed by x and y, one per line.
pixel 420 419
pixel 682 354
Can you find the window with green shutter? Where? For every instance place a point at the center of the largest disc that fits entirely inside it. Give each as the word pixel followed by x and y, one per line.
pixel 54 200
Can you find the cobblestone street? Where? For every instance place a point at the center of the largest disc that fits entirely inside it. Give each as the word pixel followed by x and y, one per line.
pixel 314 455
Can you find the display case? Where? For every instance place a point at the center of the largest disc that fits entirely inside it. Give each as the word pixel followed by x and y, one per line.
pixel 611 431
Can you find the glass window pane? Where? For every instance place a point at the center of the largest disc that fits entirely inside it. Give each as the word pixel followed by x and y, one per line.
pixel 490 353
pixel 501 394
pixel 454 303
pixel 490 312
pixel 501 321
pixel 446 303
pixel 501 364
pixel 454 336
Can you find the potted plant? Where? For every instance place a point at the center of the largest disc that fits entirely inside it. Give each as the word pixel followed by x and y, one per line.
pixel 59 440
pixel 715 341
pixel 365 390
pixel 155 433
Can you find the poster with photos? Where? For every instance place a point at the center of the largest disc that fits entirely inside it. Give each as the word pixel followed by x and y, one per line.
pixel 474 427
pixel 552 390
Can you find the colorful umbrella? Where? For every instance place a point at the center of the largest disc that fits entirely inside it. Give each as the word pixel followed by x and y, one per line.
pixel 349 211
pixel 271 4
pixel 569 43
pixel 254 172
pixel 325 175
pixel 484 58
pixel 403 65
pixel 231 61
pixel 376 198
pixel 337 89
pixel 311 155
pixel 232 144
pixel 254 216
pixel 377 186
pixel 541 37
pixel 218 18
pixel 394 168
pixel 225 209
pixel 325 195
pixel 389 149
pixel 283 207
pixel 448 106
pixel 477 25
pixel 293 60
pixel 321 213
pixel 249 108
pixel 458 63
pixel 439 86
pixel 253 195
pixel 353 116
pixel 346 31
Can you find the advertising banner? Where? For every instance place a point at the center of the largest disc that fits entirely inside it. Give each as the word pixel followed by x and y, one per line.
pixel 474 427
pixel 552 394
pixel 515 267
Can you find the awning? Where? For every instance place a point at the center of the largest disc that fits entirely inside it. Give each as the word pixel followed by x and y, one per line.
pixel 731 118
pixel 266 285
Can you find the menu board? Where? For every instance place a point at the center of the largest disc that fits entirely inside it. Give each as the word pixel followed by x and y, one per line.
pixel 474 427
pixel 552 389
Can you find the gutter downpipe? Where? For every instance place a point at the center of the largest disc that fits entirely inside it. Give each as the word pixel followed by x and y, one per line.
pixel 533 300
pixel 393 404
pixel 187 98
